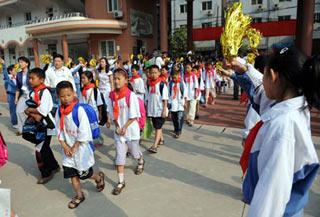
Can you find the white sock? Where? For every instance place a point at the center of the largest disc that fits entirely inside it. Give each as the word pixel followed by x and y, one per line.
pixel 121 177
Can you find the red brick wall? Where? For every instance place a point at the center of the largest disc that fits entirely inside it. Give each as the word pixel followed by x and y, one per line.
pixel 98 9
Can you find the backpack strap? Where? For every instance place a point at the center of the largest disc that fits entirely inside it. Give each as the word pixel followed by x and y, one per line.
pixel 95 94
pixel 181 89
pixel 161 87
pixel 75 116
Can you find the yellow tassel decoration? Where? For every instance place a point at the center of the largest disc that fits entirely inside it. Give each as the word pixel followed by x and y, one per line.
pixel 46 58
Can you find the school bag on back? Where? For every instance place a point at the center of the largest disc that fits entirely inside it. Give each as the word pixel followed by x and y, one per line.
pixel 142 110
pixel 3 151
pixel 92 117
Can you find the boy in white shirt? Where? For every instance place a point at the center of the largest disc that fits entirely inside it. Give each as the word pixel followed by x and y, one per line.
pixel 192 85
pixel 77 155
pixel 157 99
pixel 124 111
pixel 137 82
pixel 177 98
pixel 47 163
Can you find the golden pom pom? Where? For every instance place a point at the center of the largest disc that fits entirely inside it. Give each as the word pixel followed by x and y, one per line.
pixel 140 56
pixel 219 66
pixel 17 67
pixel 46 58
pixel 254 37
pixel 81 60
pixel 234 31
pixel 131 57
pixel 93 62
pixel 250 58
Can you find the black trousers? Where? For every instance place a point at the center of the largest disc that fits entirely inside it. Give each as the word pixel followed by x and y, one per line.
pixel 45 159
pixel 177 119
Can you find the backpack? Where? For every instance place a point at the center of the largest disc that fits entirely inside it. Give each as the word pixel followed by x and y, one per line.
pixel 162 83
pixel 181 88
pixel 3 151
pixel 104 113
pixel 142 110
pixel 92 117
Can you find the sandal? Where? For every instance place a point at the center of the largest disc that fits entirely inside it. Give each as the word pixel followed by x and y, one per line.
pixel 101 184
pixel 161 142
pixel 153 149
pixel 75 202
pixel 117 190
pixel 140 168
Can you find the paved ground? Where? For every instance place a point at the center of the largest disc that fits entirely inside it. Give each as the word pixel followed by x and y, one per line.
pixel 197 176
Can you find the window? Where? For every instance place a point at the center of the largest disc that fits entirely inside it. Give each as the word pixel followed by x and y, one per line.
pixel 108 48
pixel 317 17
pixel 52 49
pixel 205 25
pixel 112 5
pixel 286 17
pixel 9 21
pixel 256 2
pixel 257 20
pixel 284 0
pixel 183 8
pixel 206 5
pixel 28 16
pixel 49 12
pixel 30 53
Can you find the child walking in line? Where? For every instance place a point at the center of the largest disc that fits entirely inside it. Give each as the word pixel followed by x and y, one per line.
pixel 192 86
pixel 157 99
pixel 125 112
pixel 177 99
pixel 137 82
pixel 41 96
pixel 10 84
pixel 75 139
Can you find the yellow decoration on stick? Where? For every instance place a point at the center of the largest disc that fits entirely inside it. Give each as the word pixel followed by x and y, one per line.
pixel 81 60
pixel 131 57
pixel 17 67
pixel 93 62
pixel 234 31
pixel 68 64
pixel 250 58
pixel 219 66
pixel 254 37
pixel 46 58
pixel 140 56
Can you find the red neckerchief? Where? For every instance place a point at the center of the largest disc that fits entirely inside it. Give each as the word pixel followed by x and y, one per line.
pixel 87 87
pixel 134 77
pixel 188 77
pixel 64 111
pixel 37 93
pixel 164 77
pixel 176 80
pixel 153 83
pixel 116 95
pixel 244 159
pixel 210 72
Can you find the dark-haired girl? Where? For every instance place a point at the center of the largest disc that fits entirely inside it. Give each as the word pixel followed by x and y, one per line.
pixel 105 78
pixel 279 159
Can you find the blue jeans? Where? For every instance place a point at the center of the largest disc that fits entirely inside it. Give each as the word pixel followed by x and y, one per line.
pixel 12 107
pixel 177 119
pixel 78 89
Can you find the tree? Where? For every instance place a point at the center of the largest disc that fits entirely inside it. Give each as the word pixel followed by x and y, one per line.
pixel 178 42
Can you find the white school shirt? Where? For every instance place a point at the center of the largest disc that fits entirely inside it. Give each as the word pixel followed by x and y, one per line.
pixel 138 87
pixel 282 155
pixel 104 82
pixel 210 80
pixel 54 76
pixel 154 100
pixel 89 99
pixel 83 159
pixel 45 107
pixel 251 119
pixel 127 112
pixel 194 84
pixel 178 103
pixel 283 161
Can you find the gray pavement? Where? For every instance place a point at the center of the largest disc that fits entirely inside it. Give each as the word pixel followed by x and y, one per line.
pixel 197 176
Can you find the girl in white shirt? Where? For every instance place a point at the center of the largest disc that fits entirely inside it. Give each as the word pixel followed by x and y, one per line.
pixel 125 113
pixel 77 155
pixel 105 78
pixel 279 160
pixel 90 94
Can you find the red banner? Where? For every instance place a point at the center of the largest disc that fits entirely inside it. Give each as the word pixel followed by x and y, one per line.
pixel 268 29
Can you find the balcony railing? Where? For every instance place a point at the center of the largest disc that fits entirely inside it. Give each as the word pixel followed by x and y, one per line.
pixel 43 20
